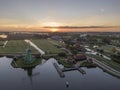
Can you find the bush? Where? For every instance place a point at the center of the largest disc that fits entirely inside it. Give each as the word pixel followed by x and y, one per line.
pixel 62 54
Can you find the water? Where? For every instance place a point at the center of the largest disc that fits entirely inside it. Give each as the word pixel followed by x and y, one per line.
pixel 45 77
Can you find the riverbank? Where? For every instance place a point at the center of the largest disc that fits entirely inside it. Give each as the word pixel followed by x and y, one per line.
pixel 19 63
pixel 107 68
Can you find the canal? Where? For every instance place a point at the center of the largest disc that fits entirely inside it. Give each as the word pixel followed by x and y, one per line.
pixel 45 77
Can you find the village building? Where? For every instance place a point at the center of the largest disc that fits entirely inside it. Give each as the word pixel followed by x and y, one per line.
pixel 80 57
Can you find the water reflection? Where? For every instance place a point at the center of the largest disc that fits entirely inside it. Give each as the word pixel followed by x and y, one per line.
pixel 26 67
pixel 45 77
pixel 30 73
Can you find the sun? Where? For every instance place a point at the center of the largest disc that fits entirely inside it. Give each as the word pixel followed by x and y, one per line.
pixel 52 26
pixel 53 29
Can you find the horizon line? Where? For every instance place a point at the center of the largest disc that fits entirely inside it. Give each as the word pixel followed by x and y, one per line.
pixel 80 26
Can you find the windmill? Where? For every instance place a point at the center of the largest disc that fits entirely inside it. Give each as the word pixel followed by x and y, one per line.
pixel 29 58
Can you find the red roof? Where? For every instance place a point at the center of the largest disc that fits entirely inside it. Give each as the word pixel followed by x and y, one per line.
pixel 80 57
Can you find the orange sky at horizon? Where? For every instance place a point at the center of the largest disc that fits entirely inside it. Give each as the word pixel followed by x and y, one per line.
pixel 33 15
pixel 55 29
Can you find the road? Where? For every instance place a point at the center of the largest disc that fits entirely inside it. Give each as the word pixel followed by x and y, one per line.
pixel 36 47
pixel 94 53
pixel 106 67
pixel 5 43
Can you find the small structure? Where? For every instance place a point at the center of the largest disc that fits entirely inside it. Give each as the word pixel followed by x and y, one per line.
pixel 78 47
pixel 89 59
pixel 27 60
pixel 116 57
pixel 118 54
pixel 37 55
pixel 95 46
pixel 67 84
pixel 71 60
pixel 80 57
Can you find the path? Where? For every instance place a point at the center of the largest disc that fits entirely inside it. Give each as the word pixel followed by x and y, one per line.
pixel 5 43
pixel 79 63
pixel 36 47
pixel 94 53
pixel 69 52
pixel 106 67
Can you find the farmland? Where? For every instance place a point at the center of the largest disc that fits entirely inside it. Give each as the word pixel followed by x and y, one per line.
pixel 109 48
pixel 15 46
pixel 1 43
pixel 19 46
pixel 49 46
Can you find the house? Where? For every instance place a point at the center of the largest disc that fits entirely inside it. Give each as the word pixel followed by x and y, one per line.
pixel 71 60
pixel 116 57
pixel 80 48
pixel 37 55
pixel 90 60
pixel 118 54
pixel 80 57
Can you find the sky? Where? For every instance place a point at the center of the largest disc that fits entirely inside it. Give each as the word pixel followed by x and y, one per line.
pixel 34 14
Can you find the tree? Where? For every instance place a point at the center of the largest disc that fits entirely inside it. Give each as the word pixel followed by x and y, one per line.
pixel 114 50
pixel 106 40
pixel 62 54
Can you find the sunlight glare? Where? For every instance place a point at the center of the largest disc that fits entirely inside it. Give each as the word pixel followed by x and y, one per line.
pixel 54 29
pixel 52 24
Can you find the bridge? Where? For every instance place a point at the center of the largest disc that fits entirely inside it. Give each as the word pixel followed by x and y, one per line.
pixel 61 71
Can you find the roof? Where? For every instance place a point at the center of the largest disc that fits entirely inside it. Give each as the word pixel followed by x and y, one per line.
pixel 80 56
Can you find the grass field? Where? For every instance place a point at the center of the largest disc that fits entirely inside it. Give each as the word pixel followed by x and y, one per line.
pixel 109 48
pixel 54 42
pixel 48 46
pixel 21 64
pixel 16 46
pixel 1 42
pixel 19 46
